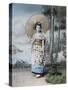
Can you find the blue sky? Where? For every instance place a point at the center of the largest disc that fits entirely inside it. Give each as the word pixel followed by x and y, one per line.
pixel 22 12
pixel 26 9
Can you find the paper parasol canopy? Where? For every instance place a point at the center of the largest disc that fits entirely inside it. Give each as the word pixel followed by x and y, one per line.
pixel 33 20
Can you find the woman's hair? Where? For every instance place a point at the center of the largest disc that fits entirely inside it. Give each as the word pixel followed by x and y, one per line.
pixel 39 24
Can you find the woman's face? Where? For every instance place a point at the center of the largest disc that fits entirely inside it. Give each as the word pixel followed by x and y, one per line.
pixel 38 28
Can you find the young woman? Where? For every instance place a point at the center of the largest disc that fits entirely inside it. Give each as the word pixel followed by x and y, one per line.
pixel 38 50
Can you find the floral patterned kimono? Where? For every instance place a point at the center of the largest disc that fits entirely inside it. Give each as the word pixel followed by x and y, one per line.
pixel 38 43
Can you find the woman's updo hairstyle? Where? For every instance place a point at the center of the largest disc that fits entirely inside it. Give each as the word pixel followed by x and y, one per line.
pixel 39 24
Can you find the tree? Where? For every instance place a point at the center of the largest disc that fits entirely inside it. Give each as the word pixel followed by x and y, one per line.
pixel 54 12
pixel 50 12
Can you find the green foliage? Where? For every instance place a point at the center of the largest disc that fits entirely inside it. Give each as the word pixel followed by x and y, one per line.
pixel 56 78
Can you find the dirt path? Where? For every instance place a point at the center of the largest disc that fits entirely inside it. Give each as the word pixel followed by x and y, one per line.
pixel 23 77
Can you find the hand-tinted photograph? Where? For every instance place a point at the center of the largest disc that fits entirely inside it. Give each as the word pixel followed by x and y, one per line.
pixel 37 44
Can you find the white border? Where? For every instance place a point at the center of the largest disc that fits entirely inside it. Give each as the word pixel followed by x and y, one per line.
pixel 4 42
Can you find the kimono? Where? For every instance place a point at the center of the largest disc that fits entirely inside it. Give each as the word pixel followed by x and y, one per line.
pixel 38 52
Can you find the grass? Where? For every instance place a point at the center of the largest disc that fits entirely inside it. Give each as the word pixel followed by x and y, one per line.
pixel 56 78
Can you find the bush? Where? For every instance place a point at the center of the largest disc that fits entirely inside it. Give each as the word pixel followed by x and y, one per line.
pixel 55 78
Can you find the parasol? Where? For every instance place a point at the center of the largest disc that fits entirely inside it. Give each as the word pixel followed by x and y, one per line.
pixel 34 19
